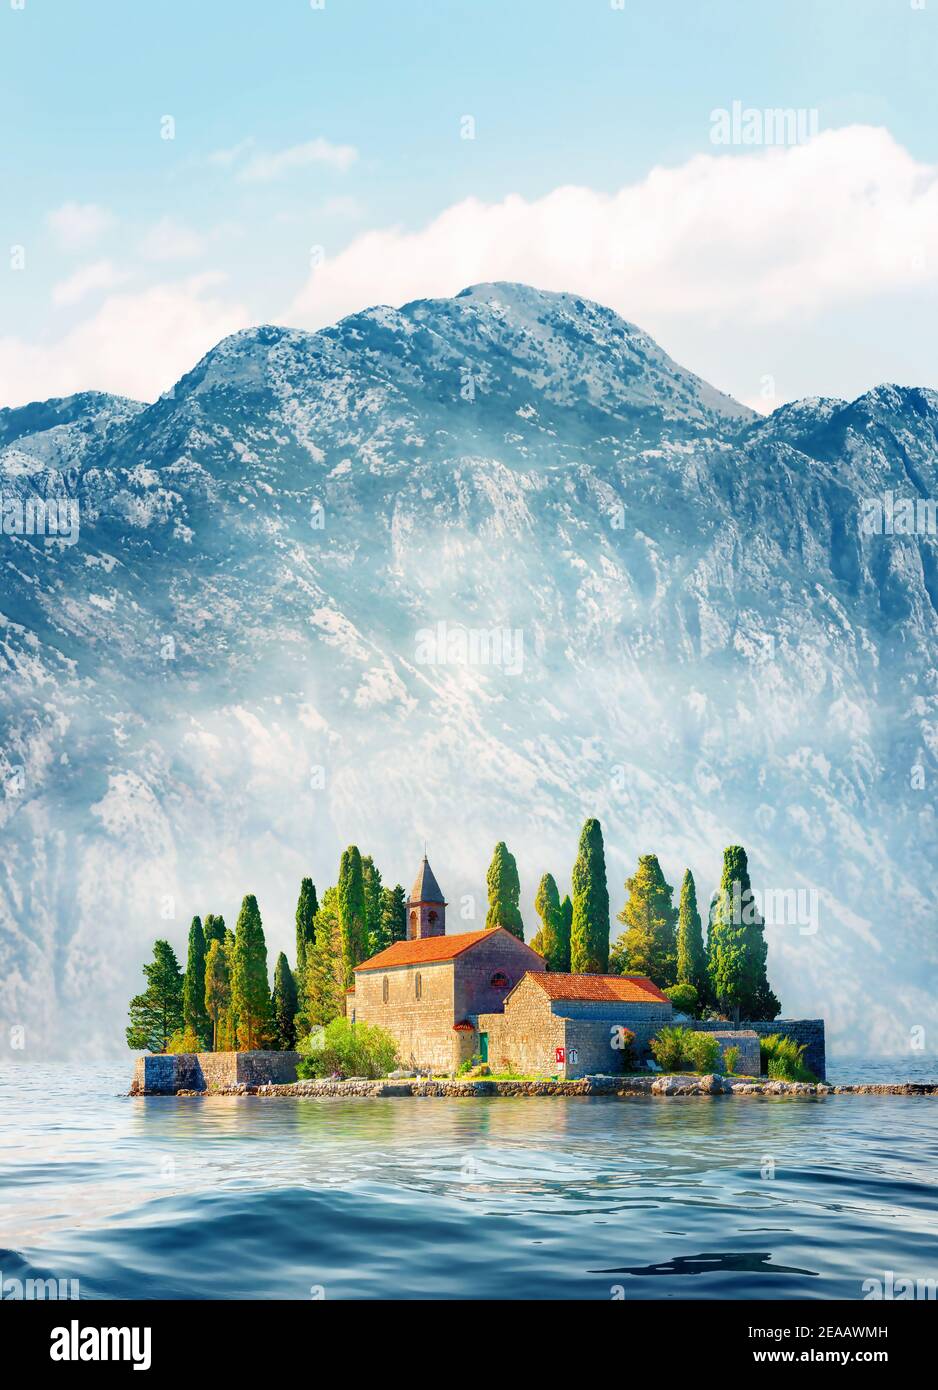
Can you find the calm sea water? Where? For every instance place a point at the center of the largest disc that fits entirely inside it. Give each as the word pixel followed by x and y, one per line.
pixel 542 1198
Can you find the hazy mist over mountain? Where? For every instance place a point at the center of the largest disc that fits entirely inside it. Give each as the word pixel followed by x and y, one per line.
pixel 469 570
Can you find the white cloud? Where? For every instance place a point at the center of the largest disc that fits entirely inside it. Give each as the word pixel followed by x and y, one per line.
pixel 76 226
pixel 754 239
pixel 136 344
pixel 98 275
pixel 169 240
pixel 263 168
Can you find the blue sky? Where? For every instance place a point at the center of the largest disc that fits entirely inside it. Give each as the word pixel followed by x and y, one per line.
pixel 318 164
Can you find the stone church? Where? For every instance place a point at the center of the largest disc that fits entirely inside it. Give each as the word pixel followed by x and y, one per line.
pixel 449 998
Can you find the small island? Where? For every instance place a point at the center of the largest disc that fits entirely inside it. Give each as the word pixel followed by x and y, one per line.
pixel 383 1000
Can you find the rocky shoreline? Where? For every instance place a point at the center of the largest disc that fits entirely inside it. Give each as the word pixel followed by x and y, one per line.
pixel 675 1085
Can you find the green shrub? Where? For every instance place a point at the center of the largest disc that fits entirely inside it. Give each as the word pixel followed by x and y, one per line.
pixel 347 1049
pixel 683 997
pixel 730 1058
pixel 668 1048
pixel 782 1059
pixel 680 1049
pixel 702 1050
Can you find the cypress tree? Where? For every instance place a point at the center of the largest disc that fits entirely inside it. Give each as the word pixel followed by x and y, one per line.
pixel 589 928
pixel 250 989
pixel 306 909
pixel 504 892
pixel 691 953
pixel 648 946
pixel 156 1014
pixel 213 929
pixel 549 940
pixel 393 925
pixel 195 1018
pixel 324 966
pixel 371 878
pixel 757 1000
pixel 284 1005
pixel 217 987
pixel 726 937
pixel 566 912
pixel 351 908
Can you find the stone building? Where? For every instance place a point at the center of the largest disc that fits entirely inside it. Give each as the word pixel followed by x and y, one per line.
pixel 448 998
pixel 428 990
pixel 572 1025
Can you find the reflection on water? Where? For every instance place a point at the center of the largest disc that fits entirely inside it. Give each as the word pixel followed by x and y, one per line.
pixel 245 1197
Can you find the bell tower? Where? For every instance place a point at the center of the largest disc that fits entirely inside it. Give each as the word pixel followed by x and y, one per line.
pixel 426 910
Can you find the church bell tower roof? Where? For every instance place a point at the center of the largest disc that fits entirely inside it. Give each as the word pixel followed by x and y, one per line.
pixel 425 889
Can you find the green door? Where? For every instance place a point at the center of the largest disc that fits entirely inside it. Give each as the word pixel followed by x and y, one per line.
pixel 484 1046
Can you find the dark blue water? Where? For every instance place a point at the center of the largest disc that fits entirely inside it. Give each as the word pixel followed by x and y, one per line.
pixel 543 1198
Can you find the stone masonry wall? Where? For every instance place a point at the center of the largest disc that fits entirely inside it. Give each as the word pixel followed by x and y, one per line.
pixel 423 1028
pixel 525 1036
pixel 644 1020
pixel 747 1063
pixel 212 1071
pixel 802 1030
pixel 500 952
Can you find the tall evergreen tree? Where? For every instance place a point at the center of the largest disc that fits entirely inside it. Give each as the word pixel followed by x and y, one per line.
pixel 549 941
pixel 371 878
pixel 393 925
pixel 757 999
pixel 324 966
pixel 691 953
pixel 156 1014
pixel 726 937
pixel 213 929
pixel 195 1018
pixel 648 946
pixel 566 914
pixel 306 909
pixel 589 928
pixel 250 988
pixel 351 907
pixel 217 987
pixel 285 1002
pixel 504 892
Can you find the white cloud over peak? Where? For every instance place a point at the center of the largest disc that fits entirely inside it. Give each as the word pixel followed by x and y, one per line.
pixel 744 238
pixel 136 344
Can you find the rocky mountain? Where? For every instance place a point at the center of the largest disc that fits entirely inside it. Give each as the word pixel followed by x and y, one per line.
pixel 467 570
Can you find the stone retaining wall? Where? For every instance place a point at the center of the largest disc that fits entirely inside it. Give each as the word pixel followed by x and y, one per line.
pixel 802 1030
pixel 651 1087
pixel 168 1074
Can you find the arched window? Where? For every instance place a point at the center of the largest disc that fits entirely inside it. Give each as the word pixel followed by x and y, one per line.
pixel 433 917
pixel 384 989
pixel 499 980
pixel 418 986
pixel 413 921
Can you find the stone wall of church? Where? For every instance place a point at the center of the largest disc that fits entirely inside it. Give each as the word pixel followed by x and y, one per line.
pixel 422 1026
pixel 500 953
pixel 525 1035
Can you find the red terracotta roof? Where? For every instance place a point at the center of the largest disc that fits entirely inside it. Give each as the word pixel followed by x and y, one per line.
pixel 464 1026
pixel 633 989
pixel 423 950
